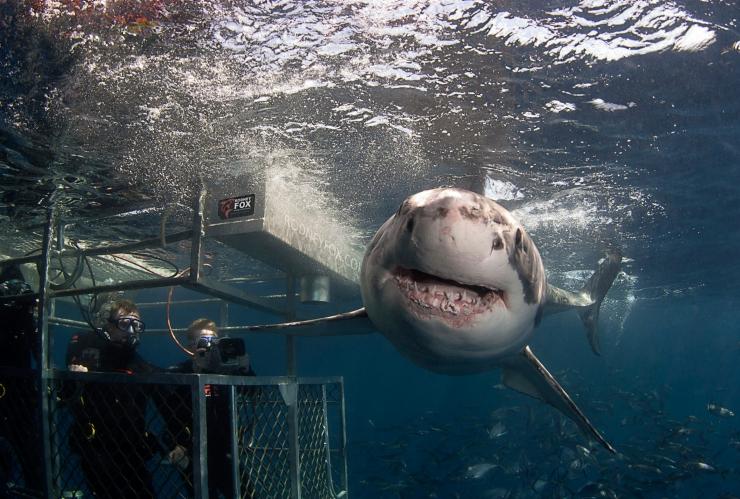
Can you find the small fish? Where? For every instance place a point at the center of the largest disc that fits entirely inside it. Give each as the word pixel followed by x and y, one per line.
pixel 698 465
pixel 393 486
pixel 645 468
pixel 478 471
pixel 539 485
pixel 595 489
pixel 497 430
pixel 720 411
pixel 735 47
pixel 583 451
pixel 665 459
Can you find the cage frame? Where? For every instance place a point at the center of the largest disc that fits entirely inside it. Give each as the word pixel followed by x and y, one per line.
pixel 52 246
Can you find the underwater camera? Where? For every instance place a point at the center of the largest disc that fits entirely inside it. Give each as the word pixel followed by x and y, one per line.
pixel 221 355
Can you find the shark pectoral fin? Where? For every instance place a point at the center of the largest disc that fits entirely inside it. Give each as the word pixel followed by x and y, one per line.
pixel 526 374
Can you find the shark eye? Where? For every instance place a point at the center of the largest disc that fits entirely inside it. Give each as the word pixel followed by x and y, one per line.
pixel 400 207
pixel 497 243
pixel 410 225
pixel 519 241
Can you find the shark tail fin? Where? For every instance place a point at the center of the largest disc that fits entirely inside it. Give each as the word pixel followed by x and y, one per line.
pixel 596 288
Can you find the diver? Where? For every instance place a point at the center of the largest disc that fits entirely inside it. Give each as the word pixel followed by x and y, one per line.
pixel 109 431
pixel 203 340
pixel 19 395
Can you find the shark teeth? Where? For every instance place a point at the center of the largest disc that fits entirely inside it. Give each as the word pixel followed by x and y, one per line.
pixel 444 295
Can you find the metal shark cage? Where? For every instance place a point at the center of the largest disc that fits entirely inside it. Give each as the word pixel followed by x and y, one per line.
pixel 288 432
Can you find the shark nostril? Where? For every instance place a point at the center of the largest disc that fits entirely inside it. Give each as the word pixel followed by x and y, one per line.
pixel 410 225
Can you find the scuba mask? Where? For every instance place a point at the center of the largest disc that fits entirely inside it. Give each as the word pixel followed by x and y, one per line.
pixel 130 327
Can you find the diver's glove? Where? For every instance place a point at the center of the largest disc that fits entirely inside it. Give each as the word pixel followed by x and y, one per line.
pixel 179 457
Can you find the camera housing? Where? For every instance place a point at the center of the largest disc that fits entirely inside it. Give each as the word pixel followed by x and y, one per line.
pixel 221 356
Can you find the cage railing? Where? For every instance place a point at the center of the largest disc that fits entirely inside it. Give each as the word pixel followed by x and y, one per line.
pixel 111 435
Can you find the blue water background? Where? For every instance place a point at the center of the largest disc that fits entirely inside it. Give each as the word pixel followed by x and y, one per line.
pixel 648 160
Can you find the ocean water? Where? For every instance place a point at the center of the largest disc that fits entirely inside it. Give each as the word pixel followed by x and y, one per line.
pixel 598 124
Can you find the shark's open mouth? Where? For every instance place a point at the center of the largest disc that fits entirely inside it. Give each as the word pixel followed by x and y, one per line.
pixel 444 295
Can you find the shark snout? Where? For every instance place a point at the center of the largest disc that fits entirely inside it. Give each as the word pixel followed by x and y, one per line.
pixel 450 231
pixel 438 226
pixel 453 209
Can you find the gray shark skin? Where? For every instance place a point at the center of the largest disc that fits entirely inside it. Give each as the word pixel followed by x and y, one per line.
pixel 456 284
pixel 453 281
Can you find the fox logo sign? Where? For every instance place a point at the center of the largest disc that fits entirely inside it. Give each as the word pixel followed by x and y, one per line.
pixel 240 206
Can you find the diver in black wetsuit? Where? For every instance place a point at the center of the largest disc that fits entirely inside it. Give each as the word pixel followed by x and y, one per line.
pixel 109 432
pixel 19 415
pixel 201 334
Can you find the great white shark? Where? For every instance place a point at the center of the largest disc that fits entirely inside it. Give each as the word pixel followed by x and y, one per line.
pixel 457 285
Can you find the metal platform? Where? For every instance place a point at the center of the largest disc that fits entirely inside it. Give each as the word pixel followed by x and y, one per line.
pixel 285 233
